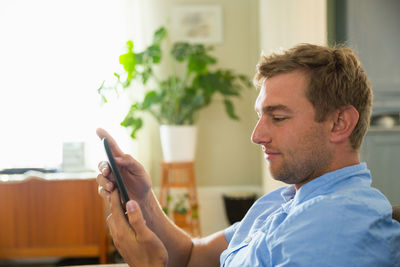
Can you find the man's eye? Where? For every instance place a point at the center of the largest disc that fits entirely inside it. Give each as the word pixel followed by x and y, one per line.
pixel 278 119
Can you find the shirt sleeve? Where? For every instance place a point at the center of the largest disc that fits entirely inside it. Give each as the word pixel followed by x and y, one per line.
pixel 230 231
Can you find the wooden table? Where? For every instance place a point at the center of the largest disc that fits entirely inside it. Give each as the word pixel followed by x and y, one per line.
pixel 52 218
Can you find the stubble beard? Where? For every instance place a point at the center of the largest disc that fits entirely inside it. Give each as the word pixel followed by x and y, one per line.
pixel 300 171
pixel 303 164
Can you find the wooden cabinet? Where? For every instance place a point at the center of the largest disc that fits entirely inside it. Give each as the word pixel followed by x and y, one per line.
pixel 381 151
pixel 52 218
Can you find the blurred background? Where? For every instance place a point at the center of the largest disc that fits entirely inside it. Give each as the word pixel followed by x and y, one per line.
pixel 55 54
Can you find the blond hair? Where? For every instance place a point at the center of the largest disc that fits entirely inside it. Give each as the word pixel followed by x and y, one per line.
pixel 335 76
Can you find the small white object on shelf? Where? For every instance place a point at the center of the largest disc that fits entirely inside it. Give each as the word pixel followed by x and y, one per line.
pixel 386 122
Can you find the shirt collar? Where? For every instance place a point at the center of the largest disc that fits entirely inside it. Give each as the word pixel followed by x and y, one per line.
pixel 288 193
pixel 307 190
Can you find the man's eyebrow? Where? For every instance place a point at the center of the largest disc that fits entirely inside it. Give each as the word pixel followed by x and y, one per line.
pixel 269 109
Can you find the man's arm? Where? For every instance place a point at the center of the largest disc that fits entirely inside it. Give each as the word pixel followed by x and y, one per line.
pixel 206 251
pixel 182 251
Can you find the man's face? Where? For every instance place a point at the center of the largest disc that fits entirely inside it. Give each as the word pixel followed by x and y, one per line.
pixel 295 145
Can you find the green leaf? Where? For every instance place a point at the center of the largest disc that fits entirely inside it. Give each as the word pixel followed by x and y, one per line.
pixel 132 122
pixel 128 121
pixel 245 80
pixel 226 88
pixel 129 118
pixel 159 35
pixel 137 124
pixel 198 101
pixel 139 57
pixel 197 65
pixel 198 62
pixel 146 74
pixel 128 61
pixel 198 49
pixel 151 98
pixel 230 110
pixel 126 83
pixel 129 46
pixel 180 51
pixel 209 82
pixel 154 52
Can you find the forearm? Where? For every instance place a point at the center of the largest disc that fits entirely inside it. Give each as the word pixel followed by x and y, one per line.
pixel 177 242
pixel 206 251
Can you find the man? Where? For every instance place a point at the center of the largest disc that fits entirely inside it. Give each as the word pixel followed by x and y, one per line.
pixel 314 108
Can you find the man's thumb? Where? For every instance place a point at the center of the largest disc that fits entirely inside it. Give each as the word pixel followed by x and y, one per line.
pixel 136 219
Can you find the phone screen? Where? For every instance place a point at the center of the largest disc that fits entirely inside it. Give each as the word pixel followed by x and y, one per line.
pixel 115 171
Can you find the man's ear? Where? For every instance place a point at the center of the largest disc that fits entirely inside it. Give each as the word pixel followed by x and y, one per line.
pixel 344 121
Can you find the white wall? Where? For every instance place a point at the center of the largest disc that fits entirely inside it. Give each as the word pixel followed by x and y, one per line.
pixel 284 23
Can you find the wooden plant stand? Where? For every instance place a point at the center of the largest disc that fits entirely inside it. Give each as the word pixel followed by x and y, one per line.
pixel 181 175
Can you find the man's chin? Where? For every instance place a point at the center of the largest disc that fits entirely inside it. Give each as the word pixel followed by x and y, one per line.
pixel 275 175
pixel 274 170
pixel 283 177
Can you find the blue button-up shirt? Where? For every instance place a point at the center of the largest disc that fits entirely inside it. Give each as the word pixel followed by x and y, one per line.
pixel 337 219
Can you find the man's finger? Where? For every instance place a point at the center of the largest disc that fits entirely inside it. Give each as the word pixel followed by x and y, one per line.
pixel 116 207
pixel 101 133
pixel 104 182
pixel 119 218
pixel 104 168
pixel 110 224
pixel 136 220
pixel 103 193
pixel 127 161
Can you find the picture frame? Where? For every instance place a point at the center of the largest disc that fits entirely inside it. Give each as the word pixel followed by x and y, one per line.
pixel 197 24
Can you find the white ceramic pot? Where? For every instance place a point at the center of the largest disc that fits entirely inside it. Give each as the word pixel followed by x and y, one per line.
pixel 178 142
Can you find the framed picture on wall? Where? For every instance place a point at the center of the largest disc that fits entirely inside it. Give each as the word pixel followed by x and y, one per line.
pixel 197 24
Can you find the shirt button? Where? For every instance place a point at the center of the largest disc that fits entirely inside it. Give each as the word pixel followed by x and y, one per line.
pixel 247 240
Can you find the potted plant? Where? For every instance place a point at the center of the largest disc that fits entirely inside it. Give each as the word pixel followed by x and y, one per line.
pixel 180 211
pixel 174 101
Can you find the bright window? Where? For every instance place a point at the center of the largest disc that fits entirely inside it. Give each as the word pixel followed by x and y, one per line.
pixel 54 54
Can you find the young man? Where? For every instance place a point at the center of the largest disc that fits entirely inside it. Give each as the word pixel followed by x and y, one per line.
pixel 314 108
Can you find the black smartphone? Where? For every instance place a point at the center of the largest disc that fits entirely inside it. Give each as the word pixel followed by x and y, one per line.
pixel 117 174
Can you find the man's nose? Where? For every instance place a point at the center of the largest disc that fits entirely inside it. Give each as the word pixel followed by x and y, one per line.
pixel 254 135
pixel 260 133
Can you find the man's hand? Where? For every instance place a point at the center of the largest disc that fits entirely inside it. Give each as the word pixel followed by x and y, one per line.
pixel 156 241
pixel 137 244
pixel 137 181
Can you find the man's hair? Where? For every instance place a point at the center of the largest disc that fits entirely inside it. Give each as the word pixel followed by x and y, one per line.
pixel 335 76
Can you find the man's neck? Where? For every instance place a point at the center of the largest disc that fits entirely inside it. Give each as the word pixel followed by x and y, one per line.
pixel 347 159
